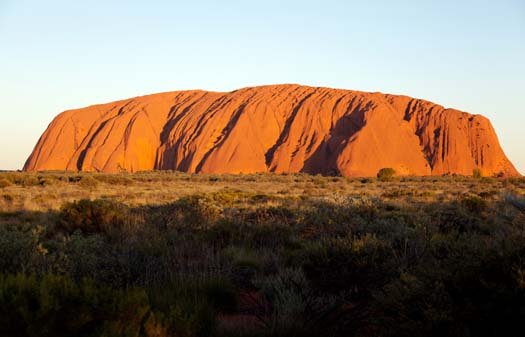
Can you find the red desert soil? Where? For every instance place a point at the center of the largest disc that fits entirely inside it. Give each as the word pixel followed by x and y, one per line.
pixel 278 128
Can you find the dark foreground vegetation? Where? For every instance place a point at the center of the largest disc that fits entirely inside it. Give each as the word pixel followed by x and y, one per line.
pixel 166 254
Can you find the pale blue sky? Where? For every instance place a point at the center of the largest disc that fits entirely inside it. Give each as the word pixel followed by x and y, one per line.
pixel 57 55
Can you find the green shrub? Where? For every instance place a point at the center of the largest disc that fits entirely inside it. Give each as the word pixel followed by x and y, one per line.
pixel 17 247
pixel 268 235
pixel 57 306
pixel 223 233
pixel 386 174
pixel 271 215
pixel 295 308
pixel 466 289
pixel 90 256
pixel 92 216
pixel 189 305
pixel 194 210
pixel 462 216
pixel 245 263
pixel 474 203
pixel 356 264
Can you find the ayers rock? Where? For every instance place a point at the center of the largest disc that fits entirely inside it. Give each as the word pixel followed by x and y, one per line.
pixel 278 128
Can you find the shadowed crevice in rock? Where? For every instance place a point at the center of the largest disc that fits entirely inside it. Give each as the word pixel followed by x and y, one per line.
pixel 285 132
pixel 224 135
pixel 83 153
pixel 167 160
pixel 324 158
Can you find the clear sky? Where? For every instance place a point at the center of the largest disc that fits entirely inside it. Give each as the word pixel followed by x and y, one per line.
pixel 58 55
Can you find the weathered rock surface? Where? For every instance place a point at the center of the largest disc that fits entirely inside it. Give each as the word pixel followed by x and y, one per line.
pixel 279 128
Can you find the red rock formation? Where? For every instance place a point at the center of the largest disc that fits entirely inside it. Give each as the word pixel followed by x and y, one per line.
pixel 280 128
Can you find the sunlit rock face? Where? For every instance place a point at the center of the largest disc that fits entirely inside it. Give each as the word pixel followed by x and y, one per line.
pixel 278 128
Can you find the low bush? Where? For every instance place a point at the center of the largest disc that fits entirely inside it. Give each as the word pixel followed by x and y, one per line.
pixel 474 203
pixel 466 290
pixel 386 174
pixel 477 173
pixel 17 247
pixel 57 306
pixel 359 263
pixel 292 308
pixel 92 216
pixel 190 305
pixel 193 210
pixel 245 263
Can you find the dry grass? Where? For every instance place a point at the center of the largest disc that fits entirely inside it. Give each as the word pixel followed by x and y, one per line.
pixel 50 190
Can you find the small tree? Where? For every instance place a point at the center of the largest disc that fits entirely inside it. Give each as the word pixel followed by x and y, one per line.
pixel 386 174
pixel 476 173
